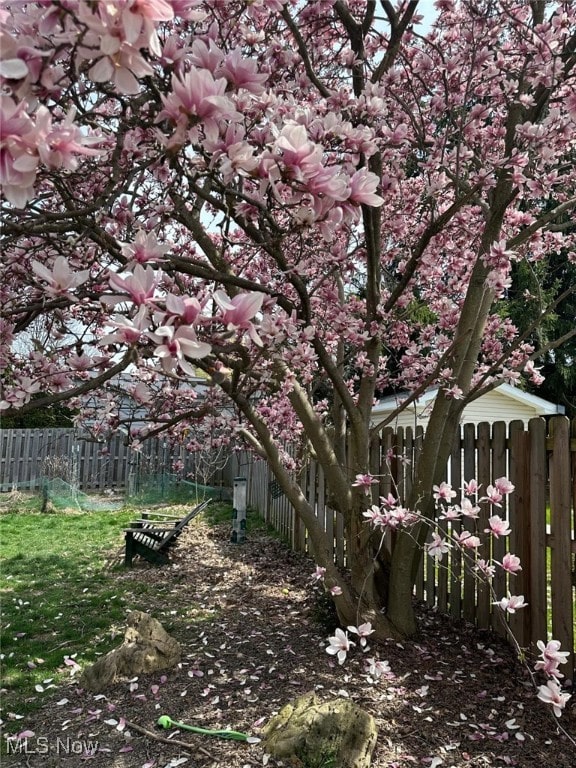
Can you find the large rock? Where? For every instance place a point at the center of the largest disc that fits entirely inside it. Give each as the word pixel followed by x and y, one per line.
pixel 335 733
pixel 147 647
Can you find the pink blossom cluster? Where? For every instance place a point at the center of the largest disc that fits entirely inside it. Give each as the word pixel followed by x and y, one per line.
pixel 550 658
pixel 28 141
pixel 389 516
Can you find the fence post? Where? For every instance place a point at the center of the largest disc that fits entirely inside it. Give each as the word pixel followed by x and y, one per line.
pixel 538 576
pixel 238 535
pixel 560 519
pixel 520 522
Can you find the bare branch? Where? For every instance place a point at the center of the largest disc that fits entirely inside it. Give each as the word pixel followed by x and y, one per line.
pixel 397 29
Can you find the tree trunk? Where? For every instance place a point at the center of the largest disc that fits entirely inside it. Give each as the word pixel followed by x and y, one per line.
pixel 368 579
pixel 437 444
pixel 408 549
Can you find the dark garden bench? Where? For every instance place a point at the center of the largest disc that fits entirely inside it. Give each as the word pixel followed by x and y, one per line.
pixel 153 537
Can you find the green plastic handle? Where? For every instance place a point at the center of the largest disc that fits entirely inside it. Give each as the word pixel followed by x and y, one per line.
pixel 166 722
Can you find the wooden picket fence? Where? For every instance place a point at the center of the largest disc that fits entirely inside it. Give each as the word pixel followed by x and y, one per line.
pixel 541 462
pixel 27 456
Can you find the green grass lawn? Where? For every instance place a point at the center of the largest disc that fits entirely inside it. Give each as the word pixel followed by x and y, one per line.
pixel 64 595
pixel 59 595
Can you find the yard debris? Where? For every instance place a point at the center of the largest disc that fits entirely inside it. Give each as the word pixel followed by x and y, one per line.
pixel 192 748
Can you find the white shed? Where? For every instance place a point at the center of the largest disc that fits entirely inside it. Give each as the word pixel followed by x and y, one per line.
pixel 505 403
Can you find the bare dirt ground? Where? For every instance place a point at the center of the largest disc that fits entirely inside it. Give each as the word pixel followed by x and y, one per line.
pixel 248 622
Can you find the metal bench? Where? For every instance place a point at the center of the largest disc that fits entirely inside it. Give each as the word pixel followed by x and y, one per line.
pixel 153 537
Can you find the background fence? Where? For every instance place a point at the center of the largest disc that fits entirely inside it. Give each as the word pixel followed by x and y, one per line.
pixel 27 456
pixel 541 462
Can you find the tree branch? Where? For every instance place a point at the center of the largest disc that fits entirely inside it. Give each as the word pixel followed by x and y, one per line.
pixel 303 51
pixel 192 748
pixel 397 29
pixel 87 386
pixel 527 233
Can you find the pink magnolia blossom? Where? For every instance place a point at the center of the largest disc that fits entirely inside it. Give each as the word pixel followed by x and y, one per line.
pixel 551 657
pixel 61 279
pixel 398 516
pixel 388 501
pixel 503 485
pixel 498 527
pixel 467 540
pixel 468 509
pixel 297 150
pixel 444 492
pixel 236 313
pixel 511 563
pixel 375 516
pixel 145 248
pixel 140 285
pixel 365 481
pixel 512 603
pixel 142 394
pixel 239 159
pixel 318 574
pixel 450 513
pixel 322 183
pixel 339 645
pixel 20 393
pixel 197 96
pixel 471 487
pixel 376 668
pixel 552 694
pixel 363 631
pixel 534 373
pixel 363 186
pixel 186 307
pixel 59 144
pixel 128 330
pixel 242 72
pixel 18 158
pixel 498 281
pixel 174 346
pixel 123 66
pixel 485 568
pixel 493 495
pixel 335 590
pixel 438 547
pixel 138 21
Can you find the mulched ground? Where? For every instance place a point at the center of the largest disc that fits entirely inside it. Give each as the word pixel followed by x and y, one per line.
pixel 249 624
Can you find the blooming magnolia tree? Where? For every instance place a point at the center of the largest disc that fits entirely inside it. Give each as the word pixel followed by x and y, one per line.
pixel 311 202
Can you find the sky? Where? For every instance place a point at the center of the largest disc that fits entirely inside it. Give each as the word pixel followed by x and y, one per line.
pixel 426 9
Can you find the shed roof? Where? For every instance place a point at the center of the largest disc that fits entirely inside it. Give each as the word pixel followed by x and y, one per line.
pixel 542 407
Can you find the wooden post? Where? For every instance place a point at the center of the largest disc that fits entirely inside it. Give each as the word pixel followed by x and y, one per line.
pixel 560 519
pixel 238 535
pixel 499 546
pixel 538 575
pixel 519 518
pixel 483 595
pixel 469 447
pixel 456 528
